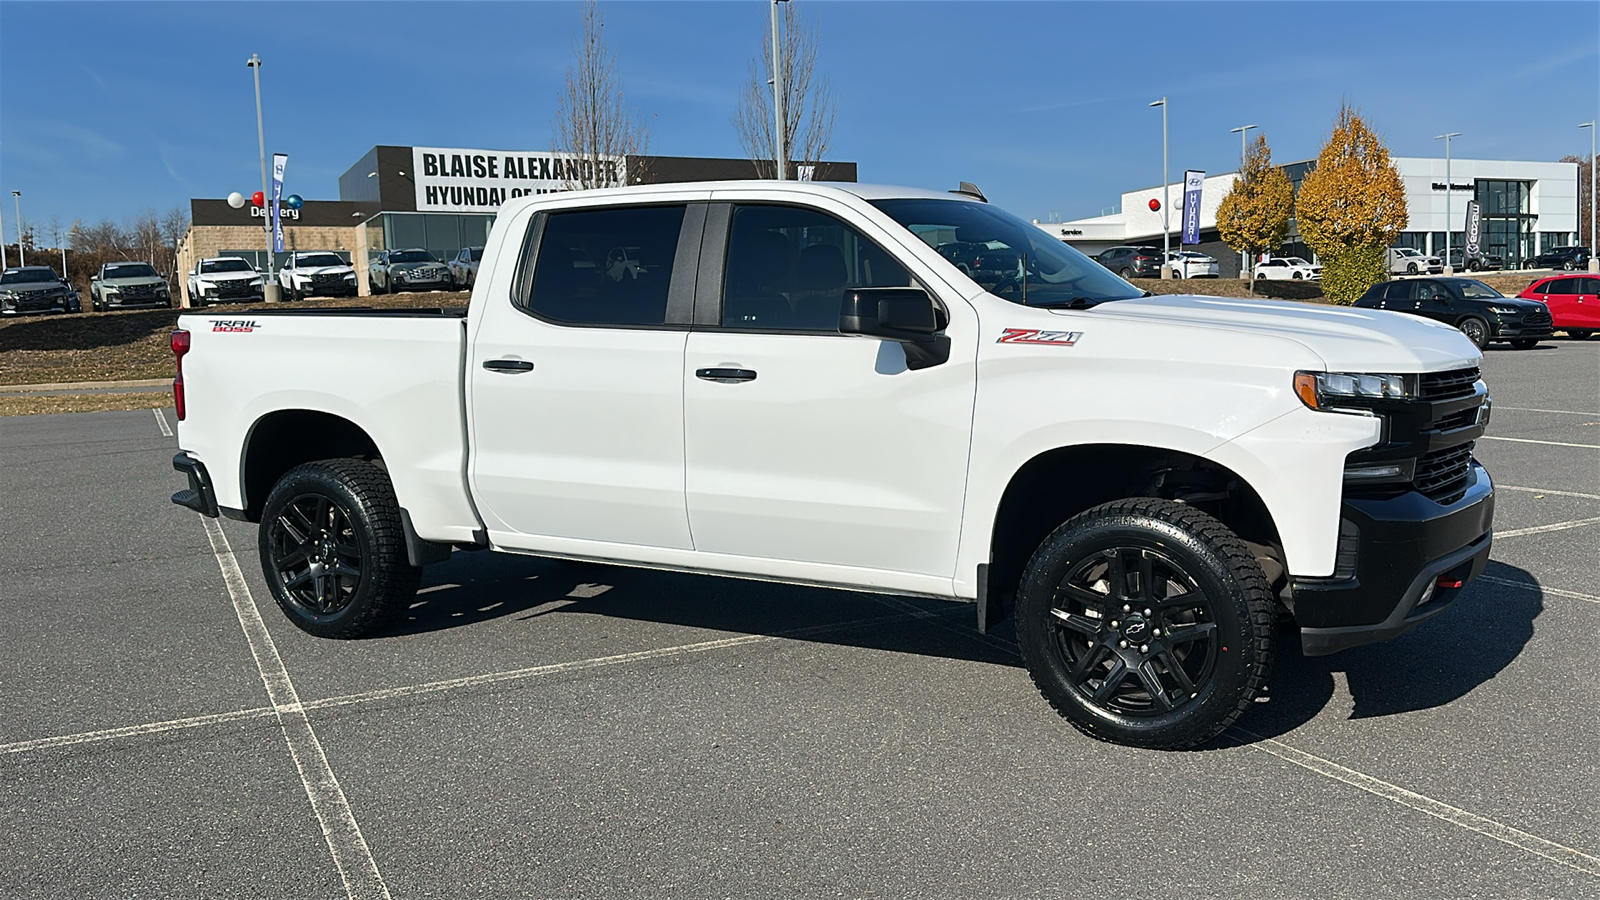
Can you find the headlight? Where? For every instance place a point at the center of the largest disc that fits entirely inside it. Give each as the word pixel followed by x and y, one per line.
pixel 257 282
pixel 1323 390
pixel 350 276
pixel 163 289
pixel 1504 311
pixel 111 289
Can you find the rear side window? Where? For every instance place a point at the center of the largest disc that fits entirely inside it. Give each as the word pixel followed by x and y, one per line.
pixel 606 266
pixel 1588 285
pixel 788 269
pixel 1398 290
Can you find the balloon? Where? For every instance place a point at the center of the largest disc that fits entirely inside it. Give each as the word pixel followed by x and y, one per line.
pixel 294 201
pixel 1155 205
pixel 236 200
pixel 258 198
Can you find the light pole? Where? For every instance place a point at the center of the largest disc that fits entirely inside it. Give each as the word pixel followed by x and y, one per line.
pixel 3 241
pixel 1166 191
pixel 269 285
pixel 1244 151
pixel 1448 269
pixel 780 155
pixel 1594 262
pixel 22 255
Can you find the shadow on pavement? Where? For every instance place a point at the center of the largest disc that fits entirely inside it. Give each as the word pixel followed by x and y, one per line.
pixel 1438 662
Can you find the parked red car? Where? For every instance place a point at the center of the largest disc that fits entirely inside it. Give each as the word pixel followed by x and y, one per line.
pixel 1574 302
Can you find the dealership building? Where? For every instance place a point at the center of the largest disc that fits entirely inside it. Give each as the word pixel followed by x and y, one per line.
pixel 1526 207
pixel 438 199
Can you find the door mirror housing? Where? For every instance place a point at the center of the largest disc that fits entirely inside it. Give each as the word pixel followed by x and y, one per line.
pixel 904 314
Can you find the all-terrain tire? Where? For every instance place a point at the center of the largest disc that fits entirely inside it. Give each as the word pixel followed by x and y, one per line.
pixel 1170 657
pixel 333 549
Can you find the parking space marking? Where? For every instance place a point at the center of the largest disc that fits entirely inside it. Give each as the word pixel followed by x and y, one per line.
pixel 1564 412
pixel 1522 840
pixel 357 869
pixel 1531 586
pixel 161 420
pixel 1540 529
pixel 1547 443
pixel 111 734
pixel 1529 490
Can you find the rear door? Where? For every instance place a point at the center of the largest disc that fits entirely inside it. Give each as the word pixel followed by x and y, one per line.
pixel 576 384
pixel 824 456
pixel 1561 295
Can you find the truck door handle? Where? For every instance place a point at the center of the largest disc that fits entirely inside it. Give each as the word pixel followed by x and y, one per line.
pixel 508 366
pixel 726 376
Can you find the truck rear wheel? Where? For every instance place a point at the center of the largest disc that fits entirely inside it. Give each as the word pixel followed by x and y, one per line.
pixel 1146 622
pixel 333 549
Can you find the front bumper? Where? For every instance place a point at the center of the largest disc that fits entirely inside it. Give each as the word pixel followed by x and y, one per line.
pixel 1393 554
pixel 1519 330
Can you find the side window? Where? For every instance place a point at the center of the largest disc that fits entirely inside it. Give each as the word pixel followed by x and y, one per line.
pixel 1561 286
pixel 1588 285
pixel 788 269
pixel 606 266
pixel 1398 290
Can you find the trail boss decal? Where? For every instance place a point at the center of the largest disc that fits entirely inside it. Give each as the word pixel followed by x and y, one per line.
pixel 1035 336
pixel 235 325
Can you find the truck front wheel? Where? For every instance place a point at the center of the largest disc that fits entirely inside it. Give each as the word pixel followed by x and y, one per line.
pixel 333 549
pixel 1146 622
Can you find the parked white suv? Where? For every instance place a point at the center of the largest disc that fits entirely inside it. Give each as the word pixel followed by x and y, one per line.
pixel 224 279
pixel 1287 268
pixel 791 381
pixel 1190 264
pixel 1410 261
pixel 316 274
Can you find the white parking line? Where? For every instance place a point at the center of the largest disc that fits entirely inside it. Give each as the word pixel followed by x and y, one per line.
pixel 161 420
pixel 1522 840
pixel 1546 443
pixel 1529 490
pixel 1564 412
pixel 111 734
pixel 1530 586
pixel 357 869
pixel 1541 529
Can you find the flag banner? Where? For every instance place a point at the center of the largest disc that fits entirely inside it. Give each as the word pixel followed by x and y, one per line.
pixel 279 160
pixel 1193 180
pixel 1474 227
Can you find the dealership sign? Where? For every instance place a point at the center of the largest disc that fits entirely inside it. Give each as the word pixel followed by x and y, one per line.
pixel 1474 227
pixel 1193 181
pixel 455 180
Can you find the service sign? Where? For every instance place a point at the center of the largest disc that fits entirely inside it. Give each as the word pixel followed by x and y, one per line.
pixel 478 181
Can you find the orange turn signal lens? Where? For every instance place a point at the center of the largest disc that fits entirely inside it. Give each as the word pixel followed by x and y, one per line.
pixel 1305 385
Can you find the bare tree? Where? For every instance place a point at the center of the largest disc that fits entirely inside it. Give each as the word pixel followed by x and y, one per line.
pixel 1584 237
pixel 593 123
pixel 174 225
pixel 808 104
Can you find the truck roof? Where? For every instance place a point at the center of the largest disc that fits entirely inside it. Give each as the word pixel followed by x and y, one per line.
pixel 835 189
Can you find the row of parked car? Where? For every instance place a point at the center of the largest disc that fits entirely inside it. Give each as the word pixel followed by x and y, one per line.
pixel 1569 303
pixel 1410 261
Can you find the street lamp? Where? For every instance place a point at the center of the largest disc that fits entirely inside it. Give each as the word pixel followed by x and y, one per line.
pixel 1594 263
pixel 1244 132
pixel 779 151
pixel 269 285
pixel 22 255
pixel 1166 228
pixel 1448 269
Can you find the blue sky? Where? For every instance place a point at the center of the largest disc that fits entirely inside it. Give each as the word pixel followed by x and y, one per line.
pixel 108 109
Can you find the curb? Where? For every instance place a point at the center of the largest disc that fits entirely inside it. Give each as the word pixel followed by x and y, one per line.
pixel 82 387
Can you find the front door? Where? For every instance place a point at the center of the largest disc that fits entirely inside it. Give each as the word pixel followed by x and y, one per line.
pixel 576 385
pixel 810 446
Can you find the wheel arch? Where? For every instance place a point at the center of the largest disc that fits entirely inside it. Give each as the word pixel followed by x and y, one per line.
pixel 285 438
pixel 1047 490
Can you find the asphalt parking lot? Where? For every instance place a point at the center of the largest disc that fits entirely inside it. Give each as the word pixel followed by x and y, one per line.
pixel 551 730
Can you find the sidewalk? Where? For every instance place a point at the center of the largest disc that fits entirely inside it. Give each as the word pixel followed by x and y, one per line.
pixel 142 386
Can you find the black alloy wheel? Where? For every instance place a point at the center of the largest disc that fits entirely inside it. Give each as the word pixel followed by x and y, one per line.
pixel 1568 265
pixel 1411 268
pixel 333 549
pixel 1476 330
pixel 1146 622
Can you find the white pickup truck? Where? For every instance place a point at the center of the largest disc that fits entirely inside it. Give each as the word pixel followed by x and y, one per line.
pixel 790 381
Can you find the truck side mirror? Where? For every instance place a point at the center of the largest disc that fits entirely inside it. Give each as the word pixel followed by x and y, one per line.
pixel 904 314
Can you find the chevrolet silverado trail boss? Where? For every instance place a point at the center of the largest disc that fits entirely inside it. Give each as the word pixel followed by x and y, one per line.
pixel 794 382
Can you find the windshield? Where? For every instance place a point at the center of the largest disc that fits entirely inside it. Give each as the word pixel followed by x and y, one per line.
pixel 477 252
pixel 1006 256
pixel 1297 261
pixel 137 270
pixel 1407 251
pixel 318 259
pixel 224 265
pixel 28 276
pixel 401 256
pixel 1477 290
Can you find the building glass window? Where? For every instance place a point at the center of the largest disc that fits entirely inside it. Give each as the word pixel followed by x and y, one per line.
pixel 405 232
pixel 1552 239
pixel 1416 240
pixel 1458 239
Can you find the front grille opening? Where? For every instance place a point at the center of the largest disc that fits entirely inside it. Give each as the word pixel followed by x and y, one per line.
pixel 1448 385
pixel 1459 419
pixel 1443 475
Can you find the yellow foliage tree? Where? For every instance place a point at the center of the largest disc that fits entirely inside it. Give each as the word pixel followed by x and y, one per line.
pixel 1351 208
pixel 1254 218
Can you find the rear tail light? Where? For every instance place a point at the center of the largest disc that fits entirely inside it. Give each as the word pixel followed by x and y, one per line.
pixel 180 346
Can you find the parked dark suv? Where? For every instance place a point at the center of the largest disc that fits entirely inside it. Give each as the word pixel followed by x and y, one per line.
pixel 1476 262
pixel 1143 262
pixel 1569 258
pixel 1481 312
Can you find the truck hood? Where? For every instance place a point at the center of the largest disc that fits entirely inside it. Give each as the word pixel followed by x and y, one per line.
pixel 1347 339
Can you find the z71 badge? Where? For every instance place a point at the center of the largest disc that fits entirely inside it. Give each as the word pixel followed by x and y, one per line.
pixel 1035 336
